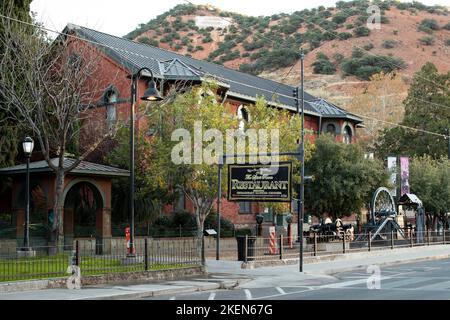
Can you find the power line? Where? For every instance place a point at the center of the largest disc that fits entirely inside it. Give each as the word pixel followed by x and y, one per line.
pixel 213 76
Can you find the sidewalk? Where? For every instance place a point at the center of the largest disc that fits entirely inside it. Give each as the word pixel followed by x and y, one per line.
pixel 229 274
pixel 130 291
pixel 319 273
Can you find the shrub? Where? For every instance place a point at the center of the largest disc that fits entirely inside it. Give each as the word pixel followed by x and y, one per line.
pixel 207 39
pixel 429 24
pixel 338 57
pixel 339 18
pixel 427 40
pixel 447 42
pixel 362 31
pixel 364 66
pixel 148 41
pixel 447 26
pixel 389 44
pixel 344 35
pixel 323 65
pixel 349 26
pixel 368 46
pixel 199 48
pixel 275 59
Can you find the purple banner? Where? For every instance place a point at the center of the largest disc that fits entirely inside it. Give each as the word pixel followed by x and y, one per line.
pixel 404 176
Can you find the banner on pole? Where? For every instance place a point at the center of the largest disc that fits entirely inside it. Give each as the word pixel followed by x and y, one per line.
pixel 404 169
pixel 392 168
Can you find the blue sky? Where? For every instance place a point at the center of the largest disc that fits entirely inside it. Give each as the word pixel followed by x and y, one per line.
pixel 120 17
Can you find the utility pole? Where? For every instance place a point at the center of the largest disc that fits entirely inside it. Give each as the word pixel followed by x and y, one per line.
pixel 301 193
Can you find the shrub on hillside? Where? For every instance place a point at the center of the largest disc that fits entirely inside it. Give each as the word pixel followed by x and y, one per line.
pixel 323 65
pixel 368 46
pixel 364 66
pixel 427 40
pixel 344 35
pixel 447 26
pixel 428 24
pixel 148 41
pixel 389 44
pixel 362 31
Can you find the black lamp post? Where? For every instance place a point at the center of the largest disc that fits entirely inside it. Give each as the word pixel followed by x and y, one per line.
pixel 28 145
pixel 301 191
pixel 151 94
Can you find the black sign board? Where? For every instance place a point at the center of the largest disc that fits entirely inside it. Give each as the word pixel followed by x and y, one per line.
pixel 260 182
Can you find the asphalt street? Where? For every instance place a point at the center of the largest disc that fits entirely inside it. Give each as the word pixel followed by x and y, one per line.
pixel 428 280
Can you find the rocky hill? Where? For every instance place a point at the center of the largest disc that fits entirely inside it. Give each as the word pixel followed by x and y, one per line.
pixel 342 53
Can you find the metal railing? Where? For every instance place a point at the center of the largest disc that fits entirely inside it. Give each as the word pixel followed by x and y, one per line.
pixel 103 258
pixel 266 249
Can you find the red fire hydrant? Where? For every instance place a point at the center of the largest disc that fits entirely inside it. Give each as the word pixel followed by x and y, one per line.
pixel 128 240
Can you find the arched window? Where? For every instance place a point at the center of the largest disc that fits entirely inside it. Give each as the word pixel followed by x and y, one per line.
pixel 110 98
pixel 243 117
pixel 348 135
pixel 331 129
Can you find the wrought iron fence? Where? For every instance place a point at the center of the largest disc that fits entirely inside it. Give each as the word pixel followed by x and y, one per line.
pixel 99 258
pixel 282 247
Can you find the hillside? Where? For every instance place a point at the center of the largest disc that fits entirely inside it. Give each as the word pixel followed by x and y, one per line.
pixel 341 52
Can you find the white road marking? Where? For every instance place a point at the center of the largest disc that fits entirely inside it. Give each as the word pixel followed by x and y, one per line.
pixel 212 296
pixel 281 291
pixel 277 295
pixel 435 286
pixel 248 294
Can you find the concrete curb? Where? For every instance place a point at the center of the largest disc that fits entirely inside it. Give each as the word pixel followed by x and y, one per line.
pixel 189 289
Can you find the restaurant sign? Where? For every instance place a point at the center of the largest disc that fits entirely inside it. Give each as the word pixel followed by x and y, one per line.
pixel 261 183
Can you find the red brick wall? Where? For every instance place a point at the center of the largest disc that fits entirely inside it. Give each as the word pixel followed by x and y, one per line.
pixel 110 73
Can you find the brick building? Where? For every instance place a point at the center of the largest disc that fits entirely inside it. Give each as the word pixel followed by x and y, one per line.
pixel 120 58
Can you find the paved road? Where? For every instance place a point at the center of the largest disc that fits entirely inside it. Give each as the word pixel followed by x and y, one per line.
pixel 413 281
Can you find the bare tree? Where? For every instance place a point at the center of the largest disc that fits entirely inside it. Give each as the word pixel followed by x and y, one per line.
pixel 47 87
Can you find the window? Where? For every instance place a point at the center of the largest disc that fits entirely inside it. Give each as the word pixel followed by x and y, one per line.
pixel 347 135
pixel 180 201
pixel 331 129
pixel 110 99
pixel 243 117
pixel 245 207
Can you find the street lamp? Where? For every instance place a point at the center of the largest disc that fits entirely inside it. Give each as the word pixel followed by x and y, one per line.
pixel 151 95
pixel 301 191
pixel 28 145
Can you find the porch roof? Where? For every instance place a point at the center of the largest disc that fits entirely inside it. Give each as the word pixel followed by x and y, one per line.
pixel 84 168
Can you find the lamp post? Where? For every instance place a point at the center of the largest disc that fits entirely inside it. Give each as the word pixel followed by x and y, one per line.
pixel 301 204
pixel 151 95
pixel 28 145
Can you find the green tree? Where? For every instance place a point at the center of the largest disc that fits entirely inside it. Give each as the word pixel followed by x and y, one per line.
pixel 343 180
pixel 199 181
pixel 430 181
pixel 149 198
pixel 9 133
pixel 427 107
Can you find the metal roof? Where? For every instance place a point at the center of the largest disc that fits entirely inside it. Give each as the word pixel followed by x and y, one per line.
pixel 170 65
pixel 409 199
pixel 84 168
